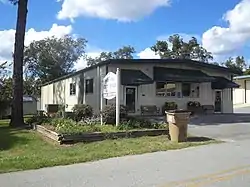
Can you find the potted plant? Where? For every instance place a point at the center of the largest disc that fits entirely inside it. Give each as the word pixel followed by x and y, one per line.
pixel 169 106
pixel 194 107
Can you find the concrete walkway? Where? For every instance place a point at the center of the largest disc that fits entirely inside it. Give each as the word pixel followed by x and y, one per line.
pixel 217 165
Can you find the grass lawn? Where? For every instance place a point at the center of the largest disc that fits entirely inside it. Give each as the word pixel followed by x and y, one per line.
pixel 26 149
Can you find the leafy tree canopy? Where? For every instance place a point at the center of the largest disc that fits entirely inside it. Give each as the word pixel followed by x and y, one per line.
pixel 125 52
pixel 53 57
pixel 176 48
pixel 238 63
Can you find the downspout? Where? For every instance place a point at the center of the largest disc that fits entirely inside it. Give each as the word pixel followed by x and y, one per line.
pixel 245 90
pixel 107 70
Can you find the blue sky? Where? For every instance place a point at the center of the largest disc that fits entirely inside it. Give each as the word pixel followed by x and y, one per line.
pixel 110 24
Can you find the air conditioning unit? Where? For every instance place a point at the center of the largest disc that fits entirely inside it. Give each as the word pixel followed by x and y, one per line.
pixel 52 108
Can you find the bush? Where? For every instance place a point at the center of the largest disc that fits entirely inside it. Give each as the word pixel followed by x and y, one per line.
pixel 68 126
pixel 135 123
pixel 109 111
pixel 82 111
pixel 194 104
pixel 169 106
pixel 38 120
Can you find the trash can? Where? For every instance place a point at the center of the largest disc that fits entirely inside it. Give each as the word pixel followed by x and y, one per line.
pixel 178 124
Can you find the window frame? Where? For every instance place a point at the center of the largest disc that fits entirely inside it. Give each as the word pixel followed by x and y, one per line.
pixel 190 89
pixel 87 88
pixel 165 94
pixel 72 89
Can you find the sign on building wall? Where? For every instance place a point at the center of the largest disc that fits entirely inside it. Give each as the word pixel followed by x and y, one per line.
pixel 109 86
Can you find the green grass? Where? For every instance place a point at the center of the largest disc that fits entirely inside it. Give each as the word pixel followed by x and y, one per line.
pixel 26 149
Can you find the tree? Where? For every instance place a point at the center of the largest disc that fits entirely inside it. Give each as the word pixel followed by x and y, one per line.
pixel 237 64
pixel 5 94
pixel 125 52
pixel 17 108
pixel 177 48
pixel 50 58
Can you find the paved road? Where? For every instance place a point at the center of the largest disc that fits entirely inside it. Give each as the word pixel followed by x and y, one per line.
pixel 220 165
pixel 231 127
pixel 242 109
pixel 217 165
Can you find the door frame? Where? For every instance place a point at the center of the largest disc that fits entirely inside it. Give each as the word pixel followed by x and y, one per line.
pixel 221 92
pixel 136 98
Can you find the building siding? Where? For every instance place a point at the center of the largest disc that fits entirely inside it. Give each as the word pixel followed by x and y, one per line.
pixel 58 92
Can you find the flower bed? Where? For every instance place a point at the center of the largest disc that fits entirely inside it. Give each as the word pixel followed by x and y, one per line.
pixel 89 130
pixel 97 136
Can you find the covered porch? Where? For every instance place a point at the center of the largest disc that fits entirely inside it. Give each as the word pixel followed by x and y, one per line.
pixel 174 85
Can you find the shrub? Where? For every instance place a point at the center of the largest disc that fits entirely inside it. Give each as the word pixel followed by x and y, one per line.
pixel 135 123
pixel 194 104
pixel 82 111
pixel 68 126
pixel 92 121
pixel 169 106
pixel 109 111
pixel 38 120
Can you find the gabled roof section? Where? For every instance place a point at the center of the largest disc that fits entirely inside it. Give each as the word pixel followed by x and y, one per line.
pixel 193 63
pixel 242 77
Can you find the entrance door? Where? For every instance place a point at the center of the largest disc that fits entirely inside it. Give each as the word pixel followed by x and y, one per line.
pixel 218 101
pixel 130 99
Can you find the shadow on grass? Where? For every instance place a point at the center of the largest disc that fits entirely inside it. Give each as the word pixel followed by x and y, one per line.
pixel 198 139
pixel 11 137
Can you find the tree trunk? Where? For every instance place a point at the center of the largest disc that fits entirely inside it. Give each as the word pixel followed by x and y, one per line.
pixel 17 102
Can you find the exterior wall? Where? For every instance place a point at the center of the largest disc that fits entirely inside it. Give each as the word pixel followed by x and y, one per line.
pixel 146 94
pixel 44 96
pixel 247 91
pixel 227 104
pixel 58 92
pixel 239 93
pixel 93 99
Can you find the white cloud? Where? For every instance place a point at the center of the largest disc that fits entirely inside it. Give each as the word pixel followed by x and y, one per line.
pixel 120 10
pixel 7 38
pixel 148 54
pixel 223 40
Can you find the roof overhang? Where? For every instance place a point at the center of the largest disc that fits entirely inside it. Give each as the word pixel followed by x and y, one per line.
pixel 223 83
pixel 180 75
pixel 134 77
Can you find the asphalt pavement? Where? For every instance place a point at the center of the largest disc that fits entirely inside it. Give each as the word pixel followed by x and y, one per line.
pixel 217 165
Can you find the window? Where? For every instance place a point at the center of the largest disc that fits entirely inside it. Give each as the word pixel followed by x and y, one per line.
pixel 186 89
pixel 89 86
pixel 72 88
pixel 190 90
pixel 165 89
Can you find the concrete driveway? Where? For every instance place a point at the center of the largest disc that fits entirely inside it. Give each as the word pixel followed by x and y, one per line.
pixel 228 127
pixel 243 109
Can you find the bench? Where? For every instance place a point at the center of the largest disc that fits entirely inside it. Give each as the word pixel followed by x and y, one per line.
pixel 208 109
pixel 150 110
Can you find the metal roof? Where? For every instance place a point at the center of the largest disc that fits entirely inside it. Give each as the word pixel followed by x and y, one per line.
pixel 242 77
pixel 148 61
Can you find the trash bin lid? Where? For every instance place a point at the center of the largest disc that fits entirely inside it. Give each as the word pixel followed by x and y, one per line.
pixel 177 111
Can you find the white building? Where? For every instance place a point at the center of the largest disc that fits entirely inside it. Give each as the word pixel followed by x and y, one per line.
pixel 146 82
pixel 242 94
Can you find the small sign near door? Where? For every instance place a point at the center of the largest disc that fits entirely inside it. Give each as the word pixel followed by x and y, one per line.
pixel 109 86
